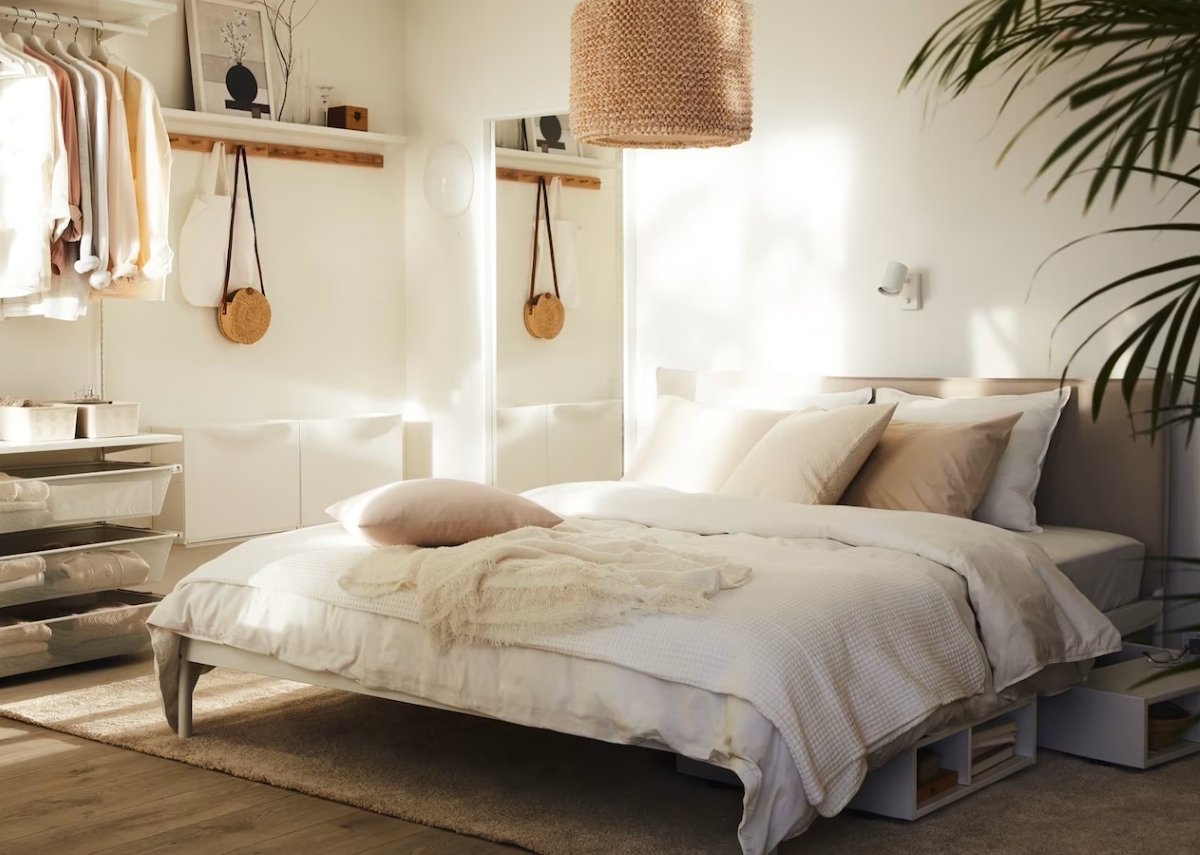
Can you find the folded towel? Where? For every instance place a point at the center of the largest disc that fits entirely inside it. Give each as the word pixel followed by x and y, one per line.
pixel 102 648
pixel 22 664
pixel 21 568
pixel 22 648
pixel 25 521
pixel 35 581
pixel 15 631
pixel 111 621
pixel 21 507
pixel 96 571
pixel 24 491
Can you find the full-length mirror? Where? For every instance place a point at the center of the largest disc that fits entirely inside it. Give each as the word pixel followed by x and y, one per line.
pixel 558 337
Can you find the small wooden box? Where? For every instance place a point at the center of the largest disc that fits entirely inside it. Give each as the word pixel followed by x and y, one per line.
pixel 350 118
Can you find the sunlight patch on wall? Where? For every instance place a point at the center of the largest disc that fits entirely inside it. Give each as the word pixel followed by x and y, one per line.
pixel 994 342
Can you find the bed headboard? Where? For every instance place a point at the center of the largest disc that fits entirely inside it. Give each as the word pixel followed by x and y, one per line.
pixel 1097 475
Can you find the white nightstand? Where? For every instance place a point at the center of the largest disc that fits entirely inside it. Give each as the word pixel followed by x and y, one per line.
pixel 1106 718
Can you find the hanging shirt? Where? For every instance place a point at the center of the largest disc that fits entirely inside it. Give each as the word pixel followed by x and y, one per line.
pixel 98 109
pixel 152 160
pixel 70 138
pixel 29 208
pixel 124 241
pixel 86 260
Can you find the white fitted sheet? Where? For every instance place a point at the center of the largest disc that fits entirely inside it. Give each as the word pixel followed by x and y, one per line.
pixel 1106 568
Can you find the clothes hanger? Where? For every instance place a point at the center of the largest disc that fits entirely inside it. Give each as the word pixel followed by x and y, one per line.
pixel 53 41
pixel 33 40
pixel 100 52
pixel 14 47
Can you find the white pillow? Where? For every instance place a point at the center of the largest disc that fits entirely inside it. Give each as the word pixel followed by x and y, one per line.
pixel 695 448
pixel 773 394
pixel 810 458
pixel 1008 502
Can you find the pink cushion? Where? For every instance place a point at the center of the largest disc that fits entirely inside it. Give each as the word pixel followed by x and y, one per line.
pixel 437 512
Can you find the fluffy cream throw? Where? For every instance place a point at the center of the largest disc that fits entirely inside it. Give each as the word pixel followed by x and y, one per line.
pixel 534 581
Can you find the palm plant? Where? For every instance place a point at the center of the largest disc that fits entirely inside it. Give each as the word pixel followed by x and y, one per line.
pixel 1130 111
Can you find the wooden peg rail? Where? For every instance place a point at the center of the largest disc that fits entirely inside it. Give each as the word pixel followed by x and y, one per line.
pixel 527 176
pixel 190 142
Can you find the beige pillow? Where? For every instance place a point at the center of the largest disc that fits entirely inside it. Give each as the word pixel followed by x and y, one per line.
pixel 437 512
pixel 695 447
pixel 936 468
pixel 810 458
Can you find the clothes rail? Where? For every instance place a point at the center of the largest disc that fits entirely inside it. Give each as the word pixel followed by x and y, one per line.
pixel 15 13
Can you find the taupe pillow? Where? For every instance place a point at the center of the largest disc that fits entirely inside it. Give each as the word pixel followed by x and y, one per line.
pixel 437 512
pixel 810 458
pixel 936 468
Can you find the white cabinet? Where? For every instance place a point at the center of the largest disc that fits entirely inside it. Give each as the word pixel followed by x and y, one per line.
pixel 253 478
pixel 344 457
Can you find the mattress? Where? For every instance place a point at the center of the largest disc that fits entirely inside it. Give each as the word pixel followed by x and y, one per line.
pixel 1106 568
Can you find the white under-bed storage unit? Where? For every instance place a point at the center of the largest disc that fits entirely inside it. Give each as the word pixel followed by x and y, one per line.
pixel 65 565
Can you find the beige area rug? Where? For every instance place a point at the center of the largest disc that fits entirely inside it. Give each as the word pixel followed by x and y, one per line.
pixel 561 795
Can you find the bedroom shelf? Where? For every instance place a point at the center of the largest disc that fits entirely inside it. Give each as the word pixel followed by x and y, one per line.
pixel 108 17
pixel 142 440
pixel 526 167
pixel 892 790
pixel 193 131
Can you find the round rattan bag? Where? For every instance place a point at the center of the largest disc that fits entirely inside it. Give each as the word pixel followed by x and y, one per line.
pixel 544 313
pixel 545 316
pixel 245 318
pixel 244 315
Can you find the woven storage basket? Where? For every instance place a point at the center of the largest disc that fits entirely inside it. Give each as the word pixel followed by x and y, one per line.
pixel 661 74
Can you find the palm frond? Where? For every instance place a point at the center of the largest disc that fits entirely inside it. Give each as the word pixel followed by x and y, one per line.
pixel 1138 94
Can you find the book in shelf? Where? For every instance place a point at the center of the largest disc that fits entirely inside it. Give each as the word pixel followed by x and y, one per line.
pixel 990 759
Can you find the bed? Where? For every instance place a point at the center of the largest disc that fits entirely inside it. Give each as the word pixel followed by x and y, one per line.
pixel 888 593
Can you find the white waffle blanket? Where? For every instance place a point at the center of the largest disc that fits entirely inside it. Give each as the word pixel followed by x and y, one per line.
pixel 850 633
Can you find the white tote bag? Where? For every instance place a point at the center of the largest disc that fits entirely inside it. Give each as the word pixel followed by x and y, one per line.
pixel 204 239
pixel 566 239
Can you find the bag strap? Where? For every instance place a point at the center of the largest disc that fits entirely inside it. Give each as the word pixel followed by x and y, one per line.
pixel 537 220
pixel 241 158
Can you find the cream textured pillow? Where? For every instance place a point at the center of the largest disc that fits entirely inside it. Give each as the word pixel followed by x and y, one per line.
pixel 938 469
pixel 1008 502
pixel 437 512
pixel 695 448
pixel 810 458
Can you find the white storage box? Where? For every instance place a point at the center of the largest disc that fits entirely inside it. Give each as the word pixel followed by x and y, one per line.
pixel 86 492
pixel 101 421
pixel 60 562
pixel 48 423
pixel 75 635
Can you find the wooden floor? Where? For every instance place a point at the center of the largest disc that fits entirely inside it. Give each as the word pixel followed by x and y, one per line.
pixel 62 795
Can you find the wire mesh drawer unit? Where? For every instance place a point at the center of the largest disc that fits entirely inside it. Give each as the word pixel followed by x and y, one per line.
pixel 80 629
pixel 65 494
pixel 60 562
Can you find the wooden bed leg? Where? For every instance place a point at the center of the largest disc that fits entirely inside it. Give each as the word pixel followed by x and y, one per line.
pixel 184 711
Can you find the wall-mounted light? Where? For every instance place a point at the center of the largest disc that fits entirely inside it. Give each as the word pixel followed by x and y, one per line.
pixel 907 285
pixel 449 179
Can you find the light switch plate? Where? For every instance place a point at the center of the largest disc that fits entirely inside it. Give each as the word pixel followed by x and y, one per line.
pixel 912 297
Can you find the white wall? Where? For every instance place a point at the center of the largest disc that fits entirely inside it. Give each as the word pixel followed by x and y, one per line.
pixel 768 255
pixel 584 363
pixel 332 243
pixel 466 63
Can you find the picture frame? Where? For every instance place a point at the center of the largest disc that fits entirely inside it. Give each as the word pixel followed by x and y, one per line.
pixel 551 135
pixel 230 58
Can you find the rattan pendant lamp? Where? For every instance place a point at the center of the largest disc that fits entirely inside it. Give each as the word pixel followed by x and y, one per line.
pixel 661 73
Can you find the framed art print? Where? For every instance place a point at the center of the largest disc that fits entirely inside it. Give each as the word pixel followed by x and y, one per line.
pixel 550 135
pixel 230 67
